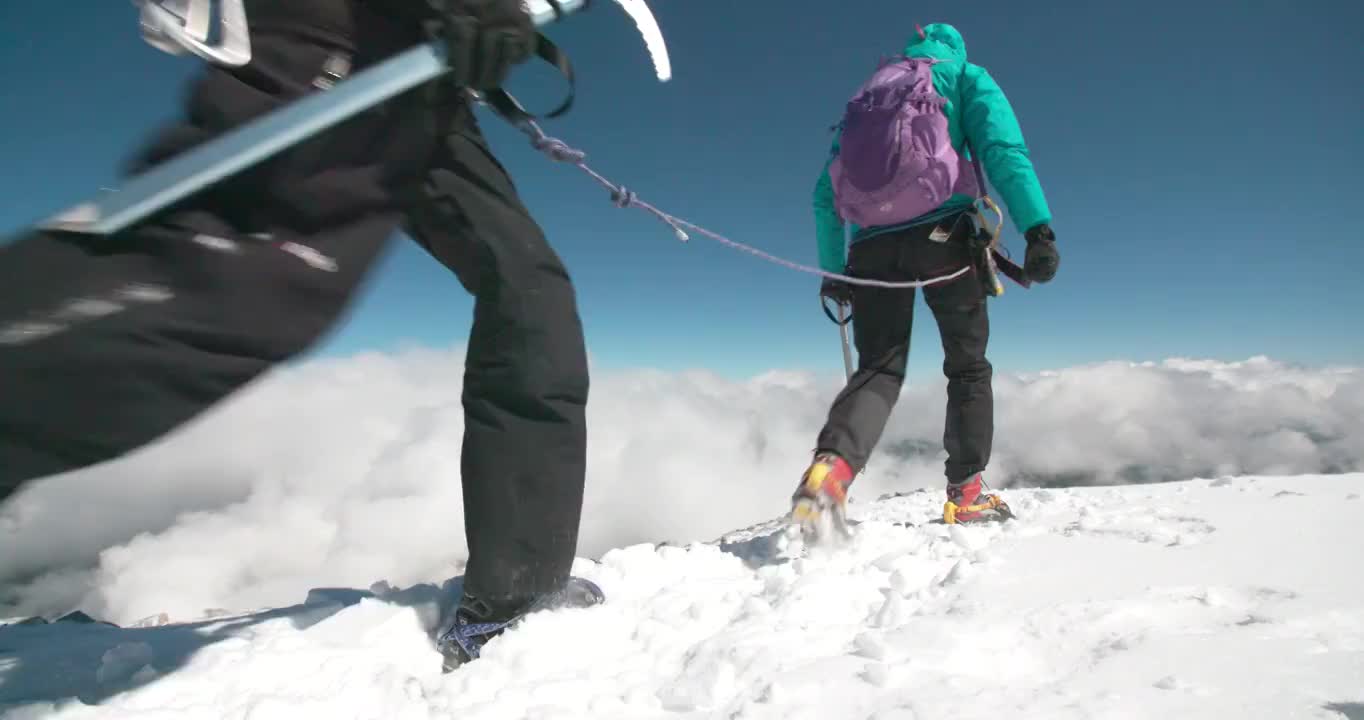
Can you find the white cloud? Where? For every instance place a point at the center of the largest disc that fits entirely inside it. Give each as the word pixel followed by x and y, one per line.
pixel 344 472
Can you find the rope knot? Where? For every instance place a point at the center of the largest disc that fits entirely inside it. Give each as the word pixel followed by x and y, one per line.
pixel 623 198
pixel 558 150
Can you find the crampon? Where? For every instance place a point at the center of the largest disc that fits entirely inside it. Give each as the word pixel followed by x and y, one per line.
pixel 990 509
pixel 820 519
pixel 819 505
pixel 966 503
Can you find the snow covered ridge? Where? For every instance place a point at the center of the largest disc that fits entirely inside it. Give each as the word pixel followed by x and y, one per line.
pixel 367 485
pixel 1221 598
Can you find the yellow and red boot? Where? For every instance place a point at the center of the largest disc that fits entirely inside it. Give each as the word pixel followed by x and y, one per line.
pixel 823 491
pixel 966 504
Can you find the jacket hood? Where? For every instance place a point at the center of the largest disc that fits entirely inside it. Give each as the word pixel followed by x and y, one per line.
pixel 938 40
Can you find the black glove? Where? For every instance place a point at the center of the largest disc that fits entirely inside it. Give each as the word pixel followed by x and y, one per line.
pixel 484 39
pixel 836 290
pixel 1041 259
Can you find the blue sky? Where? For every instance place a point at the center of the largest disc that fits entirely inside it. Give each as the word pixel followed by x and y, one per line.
pixel 1201 160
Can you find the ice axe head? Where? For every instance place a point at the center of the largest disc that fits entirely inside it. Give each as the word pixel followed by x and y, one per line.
pixel 653 36
pixel 179 26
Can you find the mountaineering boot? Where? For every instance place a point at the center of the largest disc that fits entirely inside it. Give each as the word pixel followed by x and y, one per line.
pixel 823 491
pixel 966 504
pixel 476 622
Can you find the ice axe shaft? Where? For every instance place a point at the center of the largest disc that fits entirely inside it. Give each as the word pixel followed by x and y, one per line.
pixel 847 345
pixel 183 175
pixel 842 320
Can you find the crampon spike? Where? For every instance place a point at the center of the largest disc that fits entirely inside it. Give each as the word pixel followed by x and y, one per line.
pixel 986 503
pixel 820 521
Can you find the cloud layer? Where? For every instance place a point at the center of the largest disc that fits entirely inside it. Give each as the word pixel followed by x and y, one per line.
pixel 344 472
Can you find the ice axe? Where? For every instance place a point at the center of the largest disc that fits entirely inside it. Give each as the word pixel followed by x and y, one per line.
pixel 843 318
pixel 842 322
pixel 819 519
pixel 179 26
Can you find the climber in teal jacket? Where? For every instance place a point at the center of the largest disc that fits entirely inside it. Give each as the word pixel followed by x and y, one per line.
pixel 933 248
pixel 977 110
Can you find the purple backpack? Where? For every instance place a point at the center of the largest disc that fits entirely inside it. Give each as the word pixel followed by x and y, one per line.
pixel 895 159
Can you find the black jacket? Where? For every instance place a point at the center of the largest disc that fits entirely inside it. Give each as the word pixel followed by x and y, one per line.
pixel 341 22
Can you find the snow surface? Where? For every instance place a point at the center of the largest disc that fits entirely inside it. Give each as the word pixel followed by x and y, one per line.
pixel 1227 598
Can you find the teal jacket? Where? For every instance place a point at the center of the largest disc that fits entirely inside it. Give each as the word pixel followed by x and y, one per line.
pixel 977 111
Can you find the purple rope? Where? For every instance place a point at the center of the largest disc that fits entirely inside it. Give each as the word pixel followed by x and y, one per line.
pixel 560 151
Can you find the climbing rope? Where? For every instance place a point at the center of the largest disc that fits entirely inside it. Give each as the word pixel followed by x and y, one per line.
pixel 560 151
